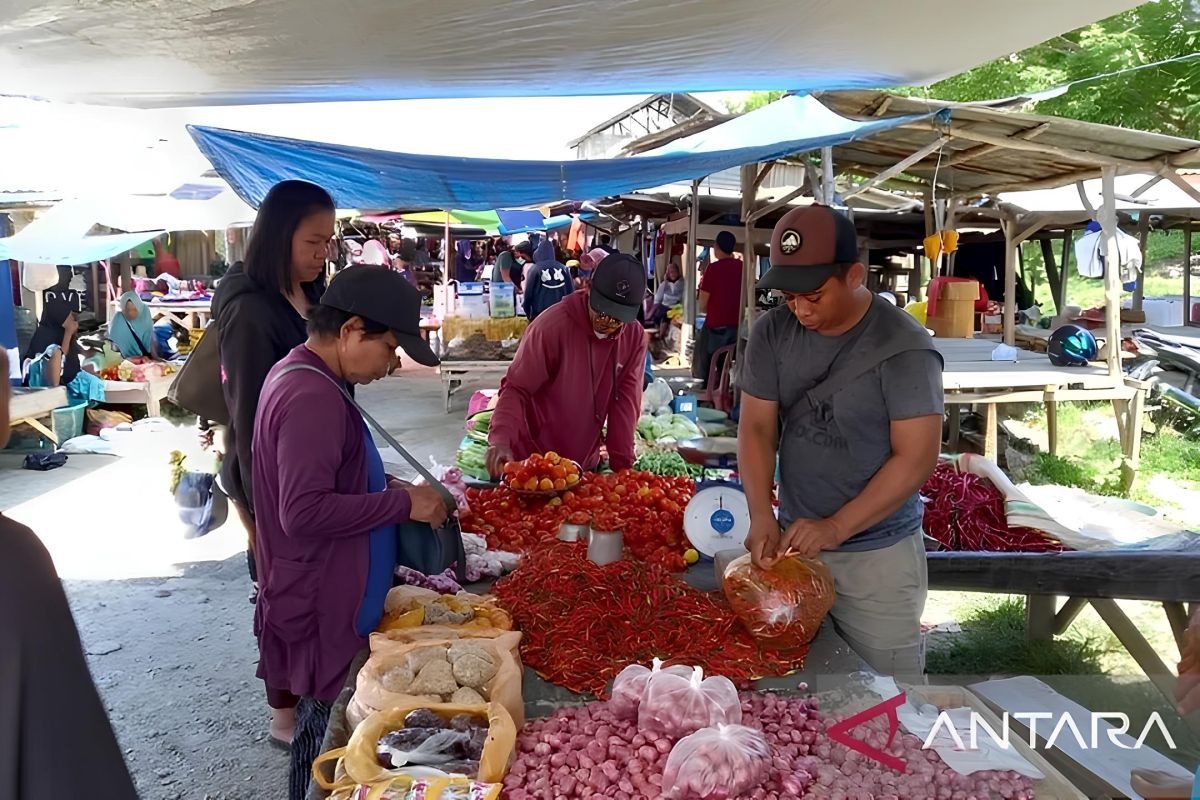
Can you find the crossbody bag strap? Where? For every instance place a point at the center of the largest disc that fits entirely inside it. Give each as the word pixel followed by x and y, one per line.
pixel 448 498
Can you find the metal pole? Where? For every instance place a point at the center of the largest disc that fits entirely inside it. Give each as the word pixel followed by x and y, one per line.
pixel 690 279
pixel 1112 269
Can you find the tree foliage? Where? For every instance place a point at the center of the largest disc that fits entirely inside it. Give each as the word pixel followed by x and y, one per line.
pixel 1165 99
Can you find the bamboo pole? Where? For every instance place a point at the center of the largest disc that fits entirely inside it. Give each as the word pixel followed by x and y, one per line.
pixel 1139 291
pixel 1066 271
pixel 1112 270
pixel 1010 282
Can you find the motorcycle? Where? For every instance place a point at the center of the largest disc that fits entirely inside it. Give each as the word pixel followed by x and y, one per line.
pixel 1170 364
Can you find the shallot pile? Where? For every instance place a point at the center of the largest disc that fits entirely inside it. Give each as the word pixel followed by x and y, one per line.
pixel 588 751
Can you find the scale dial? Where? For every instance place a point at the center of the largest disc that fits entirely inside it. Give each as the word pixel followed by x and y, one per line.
pixel 717 518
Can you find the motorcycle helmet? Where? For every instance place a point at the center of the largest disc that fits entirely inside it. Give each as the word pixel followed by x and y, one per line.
pixel 1072 346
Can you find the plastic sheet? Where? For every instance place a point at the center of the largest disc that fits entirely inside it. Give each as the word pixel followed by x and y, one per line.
pixel 783 606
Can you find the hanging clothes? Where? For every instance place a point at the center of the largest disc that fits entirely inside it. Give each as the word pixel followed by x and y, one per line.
pixel 1089 256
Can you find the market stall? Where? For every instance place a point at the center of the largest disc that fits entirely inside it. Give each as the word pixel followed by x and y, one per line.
pixel 31 406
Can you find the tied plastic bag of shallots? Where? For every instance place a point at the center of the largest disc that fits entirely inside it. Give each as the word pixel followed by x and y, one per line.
pixel 629 687
pixel 717 763
pixel 783 606
pixel 675 706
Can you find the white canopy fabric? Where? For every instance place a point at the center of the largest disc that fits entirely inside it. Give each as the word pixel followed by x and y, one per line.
pixel 1064 205
pixel 149 53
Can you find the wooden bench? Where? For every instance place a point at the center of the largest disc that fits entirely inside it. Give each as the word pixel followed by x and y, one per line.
pixel 31 406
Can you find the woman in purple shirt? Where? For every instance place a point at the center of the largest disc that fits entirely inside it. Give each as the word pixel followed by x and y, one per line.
pixel 325 511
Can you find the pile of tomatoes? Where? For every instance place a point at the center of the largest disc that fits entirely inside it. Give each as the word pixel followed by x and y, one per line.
pixel 538 473
pixel 646 508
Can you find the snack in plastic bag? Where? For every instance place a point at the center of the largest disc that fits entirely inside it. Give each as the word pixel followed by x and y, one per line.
pixel 782 606
pixel 629 687
pixel 425 746
pixel 717 763
pixel 676 706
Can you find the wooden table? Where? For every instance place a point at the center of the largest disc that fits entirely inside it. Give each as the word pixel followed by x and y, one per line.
pixel 970 377
pixel 455 373
pixel 190 314
pixel 31 406
pixel 1098 578
pixel 149 393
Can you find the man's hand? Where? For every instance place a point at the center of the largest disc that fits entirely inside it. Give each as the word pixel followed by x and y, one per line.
pixel 427 505
pixel 394 483
pixel 808 537
pixel 497 456
pixel 763 543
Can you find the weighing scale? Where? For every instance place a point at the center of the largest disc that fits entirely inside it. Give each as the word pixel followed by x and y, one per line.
pixel 718 516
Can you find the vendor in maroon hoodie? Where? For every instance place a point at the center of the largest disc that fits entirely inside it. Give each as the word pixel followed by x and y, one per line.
pixel 578 369
pixel 325 509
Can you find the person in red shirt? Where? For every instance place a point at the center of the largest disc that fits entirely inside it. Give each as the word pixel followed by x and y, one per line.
pixel 720 301
pixel 579 367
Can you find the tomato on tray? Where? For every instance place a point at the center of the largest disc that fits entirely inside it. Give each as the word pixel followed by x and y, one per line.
pixel 646 508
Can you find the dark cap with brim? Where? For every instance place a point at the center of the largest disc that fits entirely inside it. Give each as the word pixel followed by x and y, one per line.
pixel 384 297
pixel 618 287
pixel 808 246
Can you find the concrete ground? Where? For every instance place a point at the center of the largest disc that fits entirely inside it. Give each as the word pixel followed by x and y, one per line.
pixel 166 620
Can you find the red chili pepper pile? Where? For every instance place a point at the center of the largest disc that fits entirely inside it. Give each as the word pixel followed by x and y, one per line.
pixel 646 508
pixel 584 623
pixel 965 512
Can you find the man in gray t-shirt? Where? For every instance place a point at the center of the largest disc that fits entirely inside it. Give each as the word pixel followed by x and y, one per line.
pixel 846 389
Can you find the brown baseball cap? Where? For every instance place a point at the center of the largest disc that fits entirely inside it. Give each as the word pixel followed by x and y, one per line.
pixel 807 247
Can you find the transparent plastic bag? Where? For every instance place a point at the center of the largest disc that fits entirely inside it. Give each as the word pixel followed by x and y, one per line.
pixel 657 395
pixel 717 763
pixel 629 687
pixel 675 706
pixel 782 606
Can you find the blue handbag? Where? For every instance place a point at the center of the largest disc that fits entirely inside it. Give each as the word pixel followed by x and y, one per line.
pixel 419 545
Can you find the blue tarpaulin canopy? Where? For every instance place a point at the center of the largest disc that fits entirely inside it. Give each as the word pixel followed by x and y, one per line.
pixel 374 179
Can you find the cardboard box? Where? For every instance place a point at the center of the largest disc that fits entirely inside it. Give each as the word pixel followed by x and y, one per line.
pixel 955 313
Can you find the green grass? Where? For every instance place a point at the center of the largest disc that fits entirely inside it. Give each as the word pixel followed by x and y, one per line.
pixel 993 642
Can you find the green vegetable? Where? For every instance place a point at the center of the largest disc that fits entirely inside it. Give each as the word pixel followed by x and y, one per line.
pixel 666 463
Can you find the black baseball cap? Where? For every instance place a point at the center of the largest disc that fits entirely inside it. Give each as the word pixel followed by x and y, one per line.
pixel 385 297
pixel 618 287
pixel 807 247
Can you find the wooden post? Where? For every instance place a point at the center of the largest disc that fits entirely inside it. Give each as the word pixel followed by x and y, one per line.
pixel 690 280
pixel 446 259
pixel 1010 283
pixel 827 184
pixel 1066 270
pixel 749 200
pixel 1187 273
pixel 1139 291
pixel 1052 273
pixel 1112 270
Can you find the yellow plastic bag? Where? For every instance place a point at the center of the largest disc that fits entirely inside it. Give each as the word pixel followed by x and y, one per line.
pixel 359 765
pixel 370 695
pixel 405 787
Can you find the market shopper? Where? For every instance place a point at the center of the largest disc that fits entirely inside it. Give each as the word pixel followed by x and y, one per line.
pixel 668 294
pixel 720 301
pixel 547 283
pixel 55 737
pixel 847 390
pixel 579 367
pixel 260 312
pixel 325 509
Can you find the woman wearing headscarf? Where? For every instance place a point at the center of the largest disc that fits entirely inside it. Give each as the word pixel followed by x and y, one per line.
pixel 131 330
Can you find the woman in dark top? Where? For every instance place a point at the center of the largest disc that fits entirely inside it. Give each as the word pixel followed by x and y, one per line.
pixel 55 738
pixel 261 312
